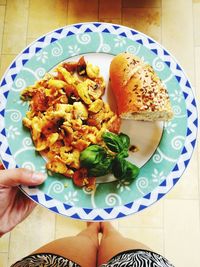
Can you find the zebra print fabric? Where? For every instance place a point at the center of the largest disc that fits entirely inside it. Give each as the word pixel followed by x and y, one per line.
pixel 132 258
pixel 45 260
pixel 138 258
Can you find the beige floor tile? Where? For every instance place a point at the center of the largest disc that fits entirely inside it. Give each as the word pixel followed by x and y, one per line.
pixel 198 136
pixel 2 2
pixel 37 230
pixel 182 235
pixel 197 65
pixel 109 9
pixel 68 227
pixel 30 40
pixel 1 40
pixel 3 259
pixel 115 223
pixel 45 16
pixel 146 20
pixel 151 217
pixel 2 16
pixel 77 8
pixel 5 62
pixel 16 17
pixel 179 42
pixel 152 238
pixel 197 76
pixel 197 95
pixel 141 3
pixel 13 43
pixel 4 242
pixel 187 187
pixel 196 20
pixel 14 38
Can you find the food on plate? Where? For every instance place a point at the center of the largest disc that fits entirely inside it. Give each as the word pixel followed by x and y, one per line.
pixel 139 92
pixel 67 116
pixel 110 158
pixel 97 160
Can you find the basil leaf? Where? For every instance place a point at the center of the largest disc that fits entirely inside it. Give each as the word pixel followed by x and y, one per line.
pixel 132 170
pixel 92 155
pixel 102 168
pixel 112 141
pixel 123 154
pixel 99 162
pixel 125 140
pixel 96 160
pixel 119 167
pixel 123 169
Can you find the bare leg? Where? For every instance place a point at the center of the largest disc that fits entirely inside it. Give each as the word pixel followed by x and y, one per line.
pixel 113 242
pixel 81 249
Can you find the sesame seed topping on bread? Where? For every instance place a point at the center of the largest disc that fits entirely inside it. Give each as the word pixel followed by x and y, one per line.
pixel 139 92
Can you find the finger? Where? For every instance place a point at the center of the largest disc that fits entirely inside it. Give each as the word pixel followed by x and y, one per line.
pixel 21 176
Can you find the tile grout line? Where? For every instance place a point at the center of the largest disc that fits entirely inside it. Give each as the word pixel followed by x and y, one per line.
pixel 98 9
pixel 121 11
pixel 67 7
pixel 161 12
pixel 9 54
pixel 27 23
pixel 67 12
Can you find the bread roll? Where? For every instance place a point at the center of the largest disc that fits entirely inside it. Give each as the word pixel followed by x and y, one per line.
pixel 139 92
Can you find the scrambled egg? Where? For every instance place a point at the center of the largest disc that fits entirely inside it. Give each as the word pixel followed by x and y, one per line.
pixel 67 114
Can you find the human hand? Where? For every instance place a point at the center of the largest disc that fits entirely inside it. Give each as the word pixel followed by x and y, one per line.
pixel 15 206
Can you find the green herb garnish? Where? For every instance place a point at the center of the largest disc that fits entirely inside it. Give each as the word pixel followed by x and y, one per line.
pixel 96 159
pixel 101 161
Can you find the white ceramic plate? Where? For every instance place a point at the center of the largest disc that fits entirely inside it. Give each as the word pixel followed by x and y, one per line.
pixel 164 149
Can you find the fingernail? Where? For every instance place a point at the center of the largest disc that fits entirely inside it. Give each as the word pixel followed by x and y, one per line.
pixel 39 176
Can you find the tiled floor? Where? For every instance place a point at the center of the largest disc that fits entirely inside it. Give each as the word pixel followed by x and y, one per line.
pixel 171 226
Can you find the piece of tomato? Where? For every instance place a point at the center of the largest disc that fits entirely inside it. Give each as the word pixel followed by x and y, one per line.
pixel 81 66
pixel 80 178
pixel 39 101
pixel 70 66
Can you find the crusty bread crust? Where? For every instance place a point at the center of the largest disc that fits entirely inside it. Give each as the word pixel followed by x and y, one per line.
pixel 139 92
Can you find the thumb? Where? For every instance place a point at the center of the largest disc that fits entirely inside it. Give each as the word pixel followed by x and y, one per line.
pixel 21 176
